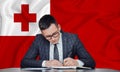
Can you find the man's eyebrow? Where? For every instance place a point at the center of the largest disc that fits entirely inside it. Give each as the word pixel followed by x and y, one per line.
pixel 51 34
pixel 48 35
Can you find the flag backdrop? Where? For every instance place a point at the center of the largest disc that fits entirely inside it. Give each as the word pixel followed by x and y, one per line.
pixel 97 22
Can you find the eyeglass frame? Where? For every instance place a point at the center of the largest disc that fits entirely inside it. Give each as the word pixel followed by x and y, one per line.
pixel 54 35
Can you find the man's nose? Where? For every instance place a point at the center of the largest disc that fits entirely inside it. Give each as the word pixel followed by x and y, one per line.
pixel 53 38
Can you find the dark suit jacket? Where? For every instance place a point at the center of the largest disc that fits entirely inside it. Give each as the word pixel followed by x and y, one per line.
pixel 40 47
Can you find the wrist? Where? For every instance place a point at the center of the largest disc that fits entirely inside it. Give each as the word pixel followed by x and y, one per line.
pixel 80 63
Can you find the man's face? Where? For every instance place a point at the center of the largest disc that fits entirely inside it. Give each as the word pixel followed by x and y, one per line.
pixel 52 34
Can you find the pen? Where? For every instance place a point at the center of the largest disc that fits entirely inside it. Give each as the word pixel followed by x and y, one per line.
pixel 71 52
pixel 69 55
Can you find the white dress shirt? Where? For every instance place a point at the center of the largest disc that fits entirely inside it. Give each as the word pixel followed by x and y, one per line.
pixel 60 50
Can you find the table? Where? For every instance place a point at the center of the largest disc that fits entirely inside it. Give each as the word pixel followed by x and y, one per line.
pixel 56 70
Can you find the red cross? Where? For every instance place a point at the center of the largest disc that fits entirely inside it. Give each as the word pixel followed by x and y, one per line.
pixel 25 17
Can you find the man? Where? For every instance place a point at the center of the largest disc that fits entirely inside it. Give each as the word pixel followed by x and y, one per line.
pixel 56 48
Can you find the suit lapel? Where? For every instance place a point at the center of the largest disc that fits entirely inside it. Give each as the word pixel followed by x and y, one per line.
pixel 47 48
pixel 64 42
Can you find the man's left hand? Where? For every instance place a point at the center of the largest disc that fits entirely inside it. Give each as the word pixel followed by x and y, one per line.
pixel 70 62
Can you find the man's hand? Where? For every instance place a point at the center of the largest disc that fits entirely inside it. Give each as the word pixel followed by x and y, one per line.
pixel 70 62
pixel 51 63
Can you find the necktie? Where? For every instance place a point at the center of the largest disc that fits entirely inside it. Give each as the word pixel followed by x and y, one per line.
pixel 56 53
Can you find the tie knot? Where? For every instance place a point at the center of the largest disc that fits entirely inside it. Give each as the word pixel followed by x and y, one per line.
pixel 55 44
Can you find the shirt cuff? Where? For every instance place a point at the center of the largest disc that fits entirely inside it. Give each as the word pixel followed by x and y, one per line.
pixel 43 63
pixel 80 63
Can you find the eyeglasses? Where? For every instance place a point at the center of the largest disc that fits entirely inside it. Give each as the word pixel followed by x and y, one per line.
pixel 54 35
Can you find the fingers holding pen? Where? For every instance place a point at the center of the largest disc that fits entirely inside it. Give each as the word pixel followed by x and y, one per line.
pixel 70 62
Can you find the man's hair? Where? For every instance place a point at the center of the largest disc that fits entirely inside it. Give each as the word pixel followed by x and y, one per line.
pixel 46 21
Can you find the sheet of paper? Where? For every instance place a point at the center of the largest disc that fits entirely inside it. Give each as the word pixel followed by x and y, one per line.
pixel 69 67
pixel 64 67
pixel 43 68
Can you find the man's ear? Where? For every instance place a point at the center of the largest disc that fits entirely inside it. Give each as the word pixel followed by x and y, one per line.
pixel 59 27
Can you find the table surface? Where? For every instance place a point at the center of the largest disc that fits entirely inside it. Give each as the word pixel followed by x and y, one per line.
pixel 55 70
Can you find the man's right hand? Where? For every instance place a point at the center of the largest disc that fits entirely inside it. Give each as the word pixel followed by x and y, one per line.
pixel 51 63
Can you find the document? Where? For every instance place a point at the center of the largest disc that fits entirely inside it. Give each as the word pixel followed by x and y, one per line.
pixel 57 67
pixel 64 67
pixel 42 68
pixel 69 67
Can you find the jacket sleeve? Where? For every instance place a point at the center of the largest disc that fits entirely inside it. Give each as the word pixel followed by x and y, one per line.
pixel 29 59
pixel 82 53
